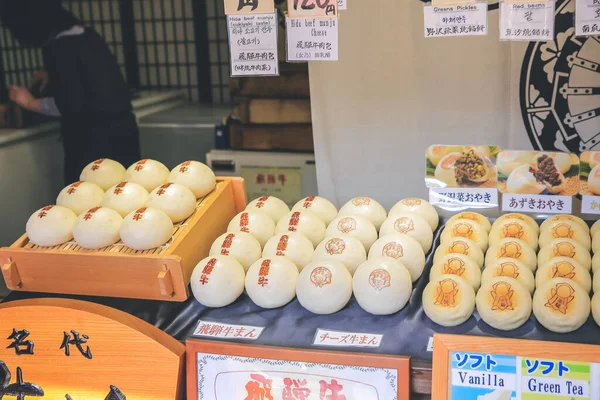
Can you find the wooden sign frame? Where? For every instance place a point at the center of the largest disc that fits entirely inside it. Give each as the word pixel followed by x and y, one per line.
pixel 194 346
pixel 443 345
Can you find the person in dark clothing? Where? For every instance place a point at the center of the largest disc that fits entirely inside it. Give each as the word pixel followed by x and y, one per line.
pixel 85 82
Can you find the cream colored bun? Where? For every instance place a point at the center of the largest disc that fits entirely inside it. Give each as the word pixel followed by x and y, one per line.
pixel 271 282
pixel 596 263
pixel 97 228
pixel 512 248
pixel 516 229
pixel 324 287
pixel 51 226
pixel 562 218
pixel 418 206
pixel 242 246
pixel 503 303
pixel 466 229
pixel 459 265
pixel 462 246
pixel 561 160
pixel 270 205
pixel 522 181
pixel 80 197
pixel 595 304
pixel 256 223
pixel 448 300
pixel 146 228
pixel 402 248
pixel 508 160
pixel 382 286
pixel 593 181
pixel 511 268
pixel 564 267
pixel 445 172
pixel 346 249
pixel 359 227
pixel 176 200
pixel 304 222
pixel 149 174
pixel 472 216
pixel 595 228
pixel 596 244
pixel 320 206
pixel 561 305
pixel 410 224
pixel 525 218
pixel 568 230
pixel 364 207
pixel 292 245
pixel 103 172
pixel 596 283
pixel 217 281
pixel 196 176
pixel 565 248
pixel 125 198
pixel 436 153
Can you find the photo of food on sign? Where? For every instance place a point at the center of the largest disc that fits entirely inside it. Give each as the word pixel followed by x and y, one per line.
pixel 589 173
pixel 534 172
pixel 461 166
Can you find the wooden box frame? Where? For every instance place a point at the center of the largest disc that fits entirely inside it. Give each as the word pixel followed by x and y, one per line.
pixel 194 346
pixel 443 345
pixel 118 271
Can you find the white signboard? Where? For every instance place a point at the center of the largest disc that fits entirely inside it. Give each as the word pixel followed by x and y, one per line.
pixel 253 44
pixel 587 17
pixel 590 204
pixel 329 338
pixel 222 377
pixel 527 21
pixel 312 39
pixel 342 5
pixel 217 330
pixel 459 20
pixel 537 204
pixel 457 199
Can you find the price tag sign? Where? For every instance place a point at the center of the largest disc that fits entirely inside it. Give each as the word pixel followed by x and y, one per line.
pixel 249 7
pixel 329 338
pixel 459 20
pixel 537 204
pixel 342 5
pixel 463 198
pixel 527 21
pixel 312 8
pixel 253 44
pixel 216 330
pixel 587 17
pixel 475 374
pixel 312 39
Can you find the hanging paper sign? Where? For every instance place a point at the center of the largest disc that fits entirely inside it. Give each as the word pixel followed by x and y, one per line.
pixel 589 181
pixel 458 20
pixel 527 21
pixel 312 8
pixel 312 39
pixel 253 44
pixel 587 17
pixel 249 7
pixel 342 5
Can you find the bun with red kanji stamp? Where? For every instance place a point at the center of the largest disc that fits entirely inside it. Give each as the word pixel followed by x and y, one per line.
pixel 51 226
pixel 176 200
pixel 97 228
pixel 320 206
pixel 146 228
pixel 270 205
pixel 561 305
pixel 103 172
pixel 304 222
pixel 125 197
pixel 196 176
pixel 149 174
pixel 448 300
pixel 256 223
pixel 217 281
pixel 271 282
pixel 242 246
pixel 293 245
pixel 80 197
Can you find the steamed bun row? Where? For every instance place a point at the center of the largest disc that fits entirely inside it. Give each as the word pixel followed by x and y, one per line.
pixel 504 288
pixel 138 206
pixel 334 253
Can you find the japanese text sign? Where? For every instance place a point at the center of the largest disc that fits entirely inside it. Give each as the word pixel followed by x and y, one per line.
pixel 441 3
pixel 537 204
pixel 328 338
pixel 218 330
pixel 253 44
pixel 249 7
pixel 312 39
pixel 458 20
pixel 463 198
pixel 285 183
pixel 587 17
pixel 527 21
pixel 59 348
pixel 266 373
pixel 312 8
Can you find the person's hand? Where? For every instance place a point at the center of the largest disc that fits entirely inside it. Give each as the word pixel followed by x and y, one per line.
pixel 40 77
pixel 23 98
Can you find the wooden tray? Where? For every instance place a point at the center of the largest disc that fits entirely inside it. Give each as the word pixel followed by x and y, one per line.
pixel 119 271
